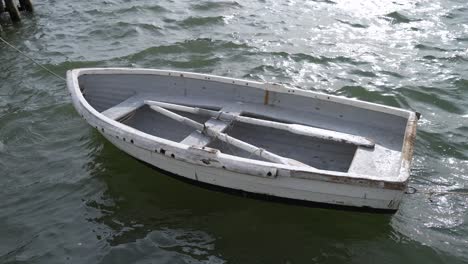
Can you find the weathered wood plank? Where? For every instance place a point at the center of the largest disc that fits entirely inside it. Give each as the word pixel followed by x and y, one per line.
pixel 198 139
pixel 124 108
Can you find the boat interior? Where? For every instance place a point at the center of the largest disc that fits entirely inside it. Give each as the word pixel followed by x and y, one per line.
pixel 240 120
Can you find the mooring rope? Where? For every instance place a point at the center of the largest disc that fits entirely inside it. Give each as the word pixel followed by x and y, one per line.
pixel 33 60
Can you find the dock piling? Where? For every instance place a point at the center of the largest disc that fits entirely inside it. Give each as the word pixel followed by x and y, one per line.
pixel 14 9
pixel 26 5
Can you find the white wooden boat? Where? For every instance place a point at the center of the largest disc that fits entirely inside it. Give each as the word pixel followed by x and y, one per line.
pixel 253 137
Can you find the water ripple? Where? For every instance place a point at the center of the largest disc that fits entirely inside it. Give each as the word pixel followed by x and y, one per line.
pixel 208 5
pixel 397 17
pixel 201 21
pixel 70 196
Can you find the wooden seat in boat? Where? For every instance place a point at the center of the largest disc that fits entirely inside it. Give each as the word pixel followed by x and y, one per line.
pixel 124 108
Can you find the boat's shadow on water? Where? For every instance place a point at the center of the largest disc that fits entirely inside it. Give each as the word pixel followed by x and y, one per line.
pixel 141 204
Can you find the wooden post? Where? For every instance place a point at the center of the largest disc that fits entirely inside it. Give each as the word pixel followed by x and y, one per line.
pixel 13 10
pixel 26 5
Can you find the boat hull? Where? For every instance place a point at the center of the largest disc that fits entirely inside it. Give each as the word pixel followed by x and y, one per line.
pixel 300 191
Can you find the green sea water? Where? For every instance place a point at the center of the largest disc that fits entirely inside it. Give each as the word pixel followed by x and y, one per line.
pixel 69 196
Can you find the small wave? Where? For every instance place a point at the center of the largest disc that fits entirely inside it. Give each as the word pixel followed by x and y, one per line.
pixel 150 27
pixel 66 65
pixel 430 99
pixel 200 46
pixel 397 18
pixel 156 8
pixel 461 85
pixel 325 1
pixel 463 129
pixel 195 63
pixel 394 74
pixel 459 12
pixel 265 68
pixel 128 10
pixel 309 58
pixel 426 47
pixel 355 25
pixel 201 21
pixel 125 31
pixel 454 58
pixel 363 73
pixel 439 145
pixel 169 20
pixel 343 59
pixel 298 57
pixel 457 137
pixel 462 39
pixel 96 12
pixel 136 9
pixel 204 6
pixel 430 57
pixel 145 26
pixel 362 93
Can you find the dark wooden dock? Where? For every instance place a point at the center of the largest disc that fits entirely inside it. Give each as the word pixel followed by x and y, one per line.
pixel 13 8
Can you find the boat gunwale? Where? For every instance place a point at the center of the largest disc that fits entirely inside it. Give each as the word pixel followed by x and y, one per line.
pixel 398 183
pixel 272 87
